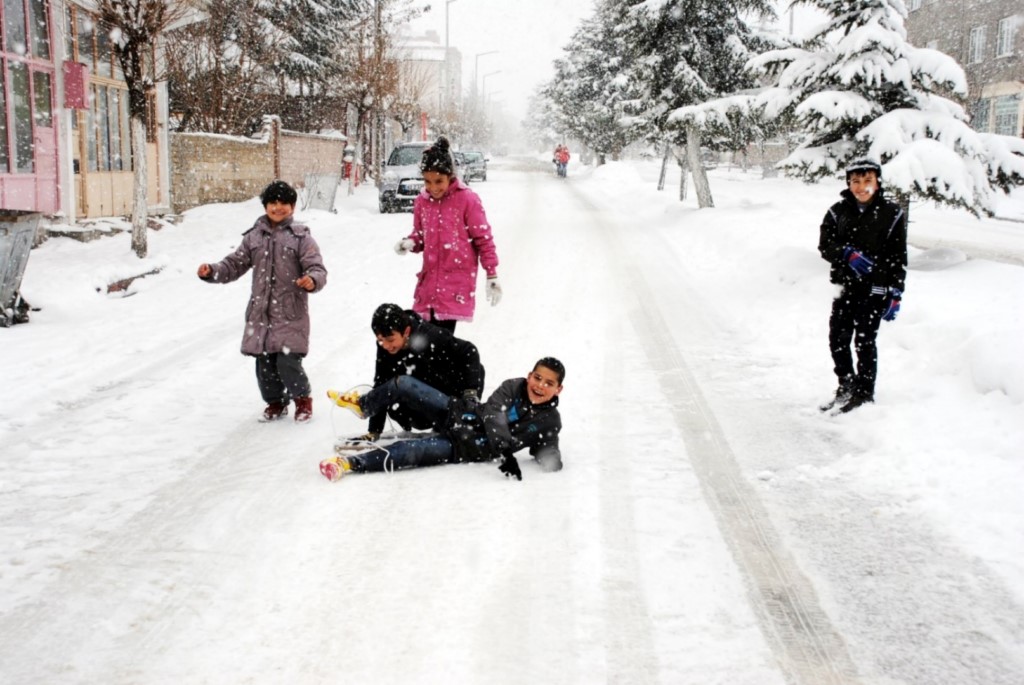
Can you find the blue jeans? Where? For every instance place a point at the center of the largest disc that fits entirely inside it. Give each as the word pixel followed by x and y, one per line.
pixel 406 454
pixel 409 401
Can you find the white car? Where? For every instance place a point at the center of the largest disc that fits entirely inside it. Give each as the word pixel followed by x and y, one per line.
pixel 401 180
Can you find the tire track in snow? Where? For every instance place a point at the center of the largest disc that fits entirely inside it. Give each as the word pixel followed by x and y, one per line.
pixel 809 649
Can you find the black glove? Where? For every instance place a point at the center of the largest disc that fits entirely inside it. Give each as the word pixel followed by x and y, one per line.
pixel 510 467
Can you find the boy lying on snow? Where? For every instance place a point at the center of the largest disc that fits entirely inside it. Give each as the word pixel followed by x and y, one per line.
pixel 522 413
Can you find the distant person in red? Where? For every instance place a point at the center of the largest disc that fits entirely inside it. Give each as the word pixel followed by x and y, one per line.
pixel 561 159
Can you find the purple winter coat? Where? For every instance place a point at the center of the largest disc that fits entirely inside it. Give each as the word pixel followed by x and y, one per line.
pixel 454 236
pixel 277 318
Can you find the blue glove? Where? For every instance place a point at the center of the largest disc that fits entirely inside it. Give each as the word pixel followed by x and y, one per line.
pixel 895 294
pixel 861 264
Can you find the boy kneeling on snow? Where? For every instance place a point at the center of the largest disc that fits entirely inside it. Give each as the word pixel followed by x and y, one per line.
pixel 521 414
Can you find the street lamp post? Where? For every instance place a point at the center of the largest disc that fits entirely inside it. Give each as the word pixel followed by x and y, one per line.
pixel 483 81
pixel 476 68
pixel 444 82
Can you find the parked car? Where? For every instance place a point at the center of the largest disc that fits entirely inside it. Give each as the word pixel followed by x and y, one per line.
pixel 475 166
pixel 401 180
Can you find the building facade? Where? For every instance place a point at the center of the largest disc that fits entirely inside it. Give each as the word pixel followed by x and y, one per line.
pixel 65 147
pixel 987 38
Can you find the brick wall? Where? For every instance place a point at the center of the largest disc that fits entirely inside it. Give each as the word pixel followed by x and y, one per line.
pixel 303 153
pixel 207 168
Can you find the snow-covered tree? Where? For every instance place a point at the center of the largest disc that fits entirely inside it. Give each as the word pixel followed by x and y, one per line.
pixel 135 27
pixel 684 53
pixel 585 89
pixel 857 89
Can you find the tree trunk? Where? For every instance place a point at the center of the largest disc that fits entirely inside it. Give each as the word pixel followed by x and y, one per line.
pixel 700 178
pixel 664 167
pixel 683 176
pixel 140 207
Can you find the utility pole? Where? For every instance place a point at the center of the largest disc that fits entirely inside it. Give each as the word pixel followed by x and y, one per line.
pixel 444 78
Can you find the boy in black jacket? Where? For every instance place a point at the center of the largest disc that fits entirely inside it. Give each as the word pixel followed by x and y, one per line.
pixel 864 238
pixel 521 414
pixel 417 364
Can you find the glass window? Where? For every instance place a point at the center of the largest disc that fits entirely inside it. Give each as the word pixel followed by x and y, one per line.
pixel 69 33
pixel 5 158
pixel 116 162
pixel 1005 113
pixel 40 29
pixel 103 51
pixel 43 99
pixel 14 27
pixel 976 51
pixel 23 162
pixel 1005 34
pixel 90 133
pixel 85 30
pixel 102 128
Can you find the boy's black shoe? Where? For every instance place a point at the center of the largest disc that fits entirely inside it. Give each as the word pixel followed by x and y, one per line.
pixel 844 393
pixel 855 401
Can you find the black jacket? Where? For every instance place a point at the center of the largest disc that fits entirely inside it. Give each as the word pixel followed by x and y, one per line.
pixel 434 356
pixel 512 423
pixel 879 232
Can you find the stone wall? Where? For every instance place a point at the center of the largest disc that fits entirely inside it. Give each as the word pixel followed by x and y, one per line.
pixel 208 168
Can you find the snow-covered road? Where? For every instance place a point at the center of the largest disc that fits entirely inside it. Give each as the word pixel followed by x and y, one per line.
pixel 704 529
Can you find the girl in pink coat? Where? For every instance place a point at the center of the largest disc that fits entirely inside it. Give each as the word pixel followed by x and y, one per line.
pixel 450 228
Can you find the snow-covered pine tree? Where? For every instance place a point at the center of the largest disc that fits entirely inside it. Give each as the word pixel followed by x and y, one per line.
pixel 684 53
pixel 858 89
pixel 584 90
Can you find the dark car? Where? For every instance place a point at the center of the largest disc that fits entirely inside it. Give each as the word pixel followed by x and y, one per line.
pixel 474 165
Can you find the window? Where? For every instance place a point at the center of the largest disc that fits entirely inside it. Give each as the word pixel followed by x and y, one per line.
pixel 1006 115
pixel 914 5
pixel 1005 33
pixel 14 27
pixel 43 99
pixel 976 51
pixel 108 137
pixel 23 161
pixel 40 28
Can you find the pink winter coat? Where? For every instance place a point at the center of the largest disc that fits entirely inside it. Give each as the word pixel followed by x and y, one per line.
pixel 454 236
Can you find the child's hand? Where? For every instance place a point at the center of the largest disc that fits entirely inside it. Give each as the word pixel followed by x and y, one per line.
pixel 204 270
pixel 306 283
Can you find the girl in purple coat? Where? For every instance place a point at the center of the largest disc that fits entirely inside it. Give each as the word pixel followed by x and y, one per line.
pixel 286 266
pixel 450 228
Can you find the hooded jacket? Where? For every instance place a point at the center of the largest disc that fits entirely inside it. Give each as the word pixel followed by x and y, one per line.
pixel 454 237
pixel 277 317
pixel 436 357
pixel 879 231
pixel 512 422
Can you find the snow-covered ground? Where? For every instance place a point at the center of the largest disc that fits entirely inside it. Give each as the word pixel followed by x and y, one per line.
pixel 710 526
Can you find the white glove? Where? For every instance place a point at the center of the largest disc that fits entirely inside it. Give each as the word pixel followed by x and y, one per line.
pixel 493 291
pixel 404 245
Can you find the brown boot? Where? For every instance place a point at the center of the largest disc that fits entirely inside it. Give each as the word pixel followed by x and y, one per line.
pixel 275 411
pixel 303 408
